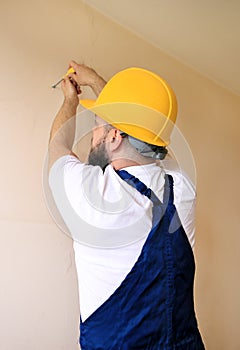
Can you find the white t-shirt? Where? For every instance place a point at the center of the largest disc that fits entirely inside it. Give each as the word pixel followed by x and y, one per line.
pixel 109 220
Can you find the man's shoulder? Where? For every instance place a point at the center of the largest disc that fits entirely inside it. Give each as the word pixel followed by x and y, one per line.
pixel 171 167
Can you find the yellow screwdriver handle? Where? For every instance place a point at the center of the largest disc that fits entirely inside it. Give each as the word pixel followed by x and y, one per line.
pixel 70 71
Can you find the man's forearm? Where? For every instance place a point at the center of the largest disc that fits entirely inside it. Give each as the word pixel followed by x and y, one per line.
pixel 67 112
pixel 62 133
pixel 98 85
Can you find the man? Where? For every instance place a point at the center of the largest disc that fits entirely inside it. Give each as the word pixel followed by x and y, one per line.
pixel 132 248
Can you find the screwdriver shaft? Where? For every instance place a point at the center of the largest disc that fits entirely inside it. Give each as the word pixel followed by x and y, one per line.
pixel 55 85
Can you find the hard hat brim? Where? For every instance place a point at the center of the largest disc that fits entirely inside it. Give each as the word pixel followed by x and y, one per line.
pixel 131 119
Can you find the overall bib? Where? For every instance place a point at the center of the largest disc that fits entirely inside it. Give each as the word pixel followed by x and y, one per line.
pixel 153 308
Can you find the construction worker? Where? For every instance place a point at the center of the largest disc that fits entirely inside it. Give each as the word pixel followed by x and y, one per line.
pixel 132 221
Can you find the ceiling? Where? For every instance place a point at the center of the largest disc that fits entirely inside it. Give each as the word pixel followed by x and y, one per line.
pixel 204 35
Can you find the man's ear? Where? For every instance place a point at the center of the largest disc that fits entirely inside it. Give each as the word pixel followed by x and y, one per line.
pixel 114 139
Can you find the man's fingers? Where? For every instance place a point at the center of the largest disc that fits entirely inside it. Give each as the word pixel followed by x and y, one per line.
pixel 79 91
pixel 74 65
pixel 83 75
pixel 65 81
pixel 66 84
pixel 74 80
pixel 70 83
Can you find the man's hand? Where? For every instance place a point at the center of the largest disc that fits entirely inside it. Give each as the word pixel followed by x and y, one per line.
pixel 71 90
pixel 86 76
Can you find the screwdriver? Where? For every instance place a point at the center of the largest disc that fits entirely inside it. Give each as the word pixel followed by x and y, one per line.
pixel 70 71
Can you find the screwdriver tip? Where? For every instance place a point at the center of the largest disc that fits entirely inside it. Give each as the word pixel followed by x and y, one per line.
pixel 55 85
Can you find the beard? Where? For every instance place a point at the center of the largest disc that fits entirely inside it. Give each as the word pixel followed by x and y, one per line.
pixel 98 156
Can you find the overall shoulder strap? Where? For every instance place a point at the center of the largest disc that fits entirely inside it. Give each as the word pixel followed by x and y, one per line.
pixel 168 196
pixel 135 182
pixel 158 208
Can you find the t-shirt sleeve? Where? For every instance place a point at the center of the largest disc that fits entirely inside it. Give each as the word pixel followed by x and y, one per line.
pixel 185 202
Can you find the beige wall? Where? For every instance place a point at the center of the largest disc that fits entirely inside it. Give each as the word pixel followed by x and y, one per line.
pixel 38 291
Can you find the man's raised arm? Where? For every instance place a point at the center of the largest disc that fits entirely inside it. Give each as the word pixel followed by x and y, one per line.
pixel 63 128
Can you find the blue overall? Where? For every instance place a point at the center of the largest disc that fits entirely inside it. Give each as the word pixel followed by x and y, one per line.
pixel 153 308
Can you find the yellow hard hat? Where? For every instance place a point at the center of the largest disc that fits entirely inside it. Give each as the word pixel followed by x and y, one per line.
pixel 139 103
